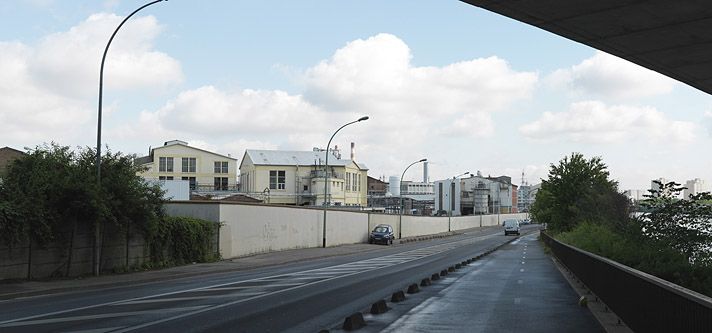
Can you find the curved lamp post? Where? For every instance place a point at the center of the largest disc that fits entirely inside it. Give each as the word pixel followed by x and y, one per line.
pixel 400 217
pixel 326 175
pixel 449 215
pixel 101 88
pixel 97 235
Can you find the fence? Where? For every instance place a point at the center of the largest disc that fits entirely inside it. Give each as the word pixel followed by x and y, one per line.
pixel 644 302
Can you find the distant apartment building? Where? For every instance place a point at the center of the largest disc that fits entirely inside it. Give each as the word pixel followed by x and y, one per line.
pixel 635 195
pixel 204 170
pixel 526 195
pixel 297 177
pixel 655 187
pixel 694 186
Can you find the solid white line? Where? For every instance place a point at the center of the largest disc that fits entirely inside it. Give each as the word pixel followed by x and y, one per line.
pixel 97 316
pixel 190 298
pixel 99 330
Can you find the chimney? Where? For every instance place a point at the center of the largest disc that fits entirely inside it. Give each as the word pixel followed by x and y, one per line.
pixel 425 172
pixel 353 150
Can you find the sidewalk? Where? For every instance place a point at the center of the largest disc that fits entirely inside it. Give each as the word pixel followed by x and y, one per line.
pixel 35 288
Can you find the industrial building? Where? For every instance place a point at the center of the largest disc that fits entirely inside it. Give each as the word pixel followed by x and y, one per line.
pixel 297 177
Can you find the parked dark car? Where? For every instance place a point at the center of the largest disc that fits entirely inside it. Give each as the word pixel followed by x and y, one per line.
pixel 382 233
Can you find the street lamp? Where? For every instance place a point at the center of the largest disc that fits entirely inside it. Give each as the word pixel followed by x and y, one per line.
pixel 400 217
pixel 326 175
pixel 101 88
pixel 97 235
pixel 449 215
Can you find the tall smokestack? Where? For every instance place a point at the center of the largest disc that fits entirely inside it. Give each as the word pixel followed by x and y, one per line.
pixel 425 172
pixel 353 151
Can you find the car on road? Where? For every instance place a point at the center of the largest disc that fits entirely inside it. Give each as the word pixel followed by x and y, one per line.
pixel 382 233
pixel 511 226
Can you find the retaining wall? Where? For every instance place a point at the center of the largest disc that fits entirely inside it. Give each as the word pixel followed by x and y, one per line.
pixel 32 261
pixel 254 228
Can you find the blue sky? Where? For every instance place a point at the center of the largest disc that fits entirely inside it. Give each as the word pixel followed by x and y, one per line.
pixel 468 89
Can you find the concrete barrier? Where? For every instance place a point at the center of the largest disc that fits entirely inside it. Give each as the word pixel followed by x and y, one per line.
pixel 255 228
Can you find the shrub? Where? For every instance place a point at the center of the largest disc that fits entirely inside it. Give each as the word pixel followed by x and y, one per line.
pixel 181 240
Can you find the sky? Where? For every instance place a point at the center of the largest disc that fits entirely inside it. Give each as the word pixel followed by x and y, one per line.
pixel 468 89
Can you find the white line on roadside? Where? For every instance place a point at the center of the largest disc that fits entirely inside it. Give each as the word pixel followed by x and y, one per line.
pixel 191 298
pixel 98 316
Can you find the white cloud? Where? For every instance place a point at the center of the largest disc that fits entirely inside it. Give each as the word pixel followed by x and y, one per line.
pixel 69 61
pixel 208 110
pixel 609 77
pixel 708 120
pixel 596 122
pixel 473 125
pixel 409 106
pixel 376 75
pixel 48 91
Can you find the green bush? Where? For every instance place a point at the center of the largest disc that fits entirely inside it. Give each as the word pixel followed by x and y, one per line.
pixel 181 240
pixel 640 253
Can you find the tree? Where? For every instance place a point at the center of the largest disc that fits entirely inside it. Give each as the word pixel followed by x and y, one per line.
pixel 578 190
pixel 685 225
pixel 49 193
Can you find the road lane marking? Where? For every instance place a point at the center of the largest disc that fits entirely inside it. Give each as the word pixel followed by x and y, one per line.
pixel 363 267
pixel 190 298
pixel 99 330
pixel 98 316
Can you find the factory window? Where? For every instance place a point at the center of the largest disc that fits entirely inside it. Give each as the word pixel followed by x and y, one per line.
pixel 191 181
pixel 220 167
pixel 220 184
pixel 277 179
pixel 188 164
pixel 165 164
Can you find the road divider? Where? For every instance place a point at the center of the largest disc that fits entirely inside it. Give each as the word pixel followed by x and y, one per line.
pixel 353 322
pixel 379 307
pixel 425 282
pixel 413 288
pixel 398 296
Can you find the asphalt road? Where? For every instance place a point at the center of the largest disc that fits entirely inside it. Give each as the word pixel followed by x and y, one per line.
pixel 305 296
pixel 515 289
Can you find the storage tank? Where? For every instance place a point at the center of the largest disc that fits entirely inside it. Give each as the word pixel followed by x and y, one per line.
pixel 394 185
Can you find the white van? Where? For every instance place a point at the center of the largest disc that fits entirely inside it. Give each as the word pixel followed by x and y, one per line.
pixel 511 226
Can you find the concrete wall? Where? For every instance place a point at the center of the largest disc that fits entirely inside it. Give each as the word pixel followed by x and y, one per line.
pixel 423 225
pixel 53 260
pixel 344 227
pixel 250 229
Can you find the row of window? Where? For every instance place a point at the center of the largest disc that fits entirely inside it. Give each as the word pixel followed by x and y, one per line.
pixel 278 181
pixel 353 181
pixel 165 164
pixel 219 184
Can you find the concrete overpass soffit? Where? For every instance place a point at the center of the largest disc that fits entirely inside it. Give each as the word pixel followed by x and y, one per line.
pixel 670 37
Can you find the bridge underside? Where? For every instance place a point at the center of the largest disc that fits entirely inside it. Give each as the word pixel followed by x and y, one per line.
pixel 670 37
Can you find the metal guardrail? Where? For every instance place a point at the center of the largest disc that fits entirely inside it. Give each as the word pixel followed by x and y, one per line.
pixel 644 302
